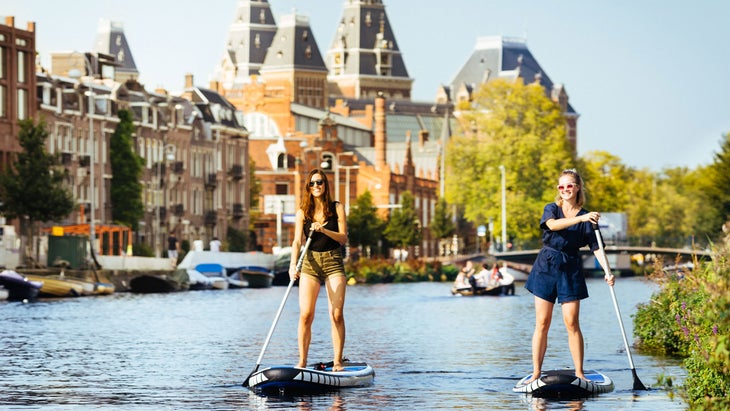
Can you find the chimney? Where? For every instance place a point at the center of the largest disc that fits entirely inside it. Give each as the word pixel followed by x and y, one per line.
pixel 189 80
pixel 10 21
pixel 422 138
pixel 379 131
pixel 31 26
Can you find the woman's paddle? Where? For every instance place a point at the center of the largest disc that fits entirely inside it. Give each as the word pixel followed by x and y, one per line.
pixel 300 261
pixel 607 272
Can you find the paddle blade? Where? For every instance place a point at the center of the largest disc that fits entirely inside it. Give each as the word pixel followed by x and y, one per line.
pixel 638 386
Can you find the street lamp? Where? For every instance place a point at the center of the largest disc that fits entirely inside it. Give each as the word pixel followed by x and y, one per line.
pixel 347 186
pixel 504 209
pixel 92 157
pixel 337 172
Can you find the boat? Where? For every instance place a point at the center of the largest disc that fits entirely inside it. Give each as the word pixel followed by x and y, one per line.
pixel 58 286
pixel 563 384
pixel 506 286
pixel 251 277
pixel 316 378
pixel 159 283
pixel 520 272
pixel 19 287
pixel 215 273
pixel 249 269
pixel 3 293
pixel 198 281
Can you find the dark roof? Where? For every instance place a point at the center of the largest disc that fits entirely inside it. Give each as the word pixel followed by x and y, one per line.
pixel 501 57
pixel 249 36
pixel 110 39
pixel 294 47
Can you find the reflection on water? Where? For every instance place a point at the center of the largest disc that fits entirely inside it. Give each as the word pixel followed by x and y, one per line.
pixel 192 350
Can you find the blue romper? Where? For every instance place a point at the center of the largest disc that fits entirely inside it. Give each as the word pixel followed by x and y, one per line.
pixel 556 273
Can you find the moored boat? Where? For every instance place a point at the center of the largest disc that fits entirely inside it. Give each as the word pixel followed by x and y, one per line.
pixel 159 283
pixel 257 267
pixel 251 277
pixel 56 286
pixel 505 286
pixel 18 286
pixel 215 273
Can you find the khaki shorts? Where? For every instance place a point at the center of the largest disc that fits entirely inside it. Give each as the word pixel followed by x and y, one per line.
pixel 323 264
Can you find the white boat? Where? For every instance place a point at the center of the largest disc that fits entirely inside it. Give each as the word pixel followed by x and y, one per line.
pixel 215 273
pixel 251 269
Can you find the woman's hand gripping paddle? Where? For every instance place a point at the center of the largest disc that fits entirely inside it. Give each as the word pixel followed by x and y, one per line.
pixel 607 272
pixel 300 261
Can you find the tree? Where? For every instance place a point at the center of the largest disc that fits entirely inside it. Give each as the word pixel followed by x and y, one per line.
pixel 364 227
pixel 236 240
pixel 32 188
pixel 518 126
pixel 127 167
pixel 606 179
pixel 403 226
pixel 716 183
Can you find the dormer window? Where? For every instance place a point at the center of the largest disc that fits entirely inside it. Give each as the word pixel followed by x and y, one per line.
pixel 368 19
pixel 305 35
pixel 308 52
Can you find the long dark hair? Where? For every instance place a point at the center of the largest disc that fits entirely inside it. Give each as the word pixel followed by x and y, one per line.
pixel 307 204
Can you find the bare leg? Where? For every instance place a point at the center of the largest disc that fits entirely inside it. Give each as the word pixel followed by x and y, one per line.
pixel 336 296
pixel 308 292
pixel 543 318
pixel 571 314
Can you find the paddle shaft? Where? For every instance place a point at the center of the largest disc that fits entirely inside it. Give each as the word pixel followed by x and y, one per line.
pixel 607 272
pixel 281 308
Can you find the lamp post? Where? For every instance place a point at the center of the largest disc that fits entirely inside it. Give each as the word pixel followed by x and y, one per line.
pixel 337 172
pixel 504 209
pixel 92 174
pixel 347 186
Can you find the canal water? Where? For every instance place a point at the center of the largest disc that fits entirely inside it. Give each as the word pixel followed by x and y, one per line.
pixel 192 350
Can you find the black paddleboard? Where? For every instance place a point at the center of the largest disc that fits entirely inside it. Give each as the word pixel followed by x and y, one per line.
pixel 563 384
pixel 288 380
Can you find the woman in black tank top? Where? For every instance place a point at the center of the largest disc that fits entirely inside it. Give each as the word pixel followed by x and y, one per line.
pixel 322 263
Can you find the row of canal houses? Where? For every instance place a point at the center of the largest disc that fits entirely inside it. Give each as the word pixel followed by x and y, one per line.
pixel 275 105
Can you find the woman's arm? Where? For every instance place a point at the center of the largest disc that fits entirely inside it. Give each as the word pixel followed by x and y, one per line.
pixel 296 244
pixel 557 224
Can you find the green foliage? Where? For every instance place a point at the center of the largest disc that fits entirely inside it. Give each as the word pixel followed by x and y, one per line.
pixel 379 271
pixel 142 250
pixel 236 240
pixel 690 316
pixel 364 227
pixel 127 167
pixel 33 185
pixel 442 225
pixel 517 126
pixel 714 184
pixel 254 195
pixel 402 229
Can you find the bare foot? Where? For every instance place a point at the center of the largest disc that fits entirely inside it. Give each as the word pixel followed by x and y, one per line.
pixel 581 376
pixel 535 375
pixel 337 368
pixel 300 365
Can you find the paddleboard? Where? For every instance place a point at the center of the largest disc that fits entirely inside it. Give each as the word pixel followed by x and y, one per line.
pixel 563 384
pixel 288 380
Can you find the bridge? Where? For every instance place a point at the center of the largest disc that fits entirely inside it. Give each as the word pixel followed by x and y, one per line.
pixel 619 257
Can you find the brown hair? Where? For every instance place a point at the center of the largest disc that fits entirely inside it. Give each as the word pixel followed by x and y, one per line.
pixel 307 205
pixel 581 197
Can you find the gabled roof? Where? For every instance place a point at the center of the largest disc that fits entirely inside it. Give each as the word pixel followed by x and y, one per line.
pixel 294 47
pixel 214 108
pixel 110 39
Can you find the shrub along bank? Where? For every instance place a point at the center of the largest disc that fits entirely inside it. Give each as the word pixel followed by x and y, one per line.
pixel 375 271
pixel 690 316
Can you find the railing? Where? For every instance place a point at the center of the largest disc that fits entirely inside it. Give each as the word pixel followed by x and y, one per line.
pixel 236 171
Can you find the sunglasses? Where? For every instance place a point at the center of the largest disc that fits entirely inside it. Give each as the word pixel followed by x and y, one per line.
pixel 568 186
pixel 317 182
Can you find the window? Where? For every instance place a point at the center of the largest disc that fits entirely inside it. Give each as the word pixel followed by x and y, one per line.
pixel 2 63
pixel 22 75
pixel 282 189
pixel 3 103
pixel 22 104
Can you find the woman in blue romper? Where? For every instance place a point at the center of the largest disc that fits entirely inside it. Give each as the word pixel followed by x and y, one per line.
pixel 556 274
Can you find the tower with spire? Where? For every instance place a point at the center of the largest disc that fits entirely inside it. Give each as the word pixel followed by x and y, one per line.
pixel 364 58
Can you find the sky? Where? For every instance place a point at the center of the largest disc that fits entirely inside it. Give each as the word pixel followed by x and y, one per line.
pixel 650 79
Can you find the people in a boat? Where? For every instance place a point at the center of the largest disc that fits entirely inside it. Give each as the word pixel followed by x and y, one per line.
pixel 495 276
pixel 323 262
pixel 465 278
pixel 556 274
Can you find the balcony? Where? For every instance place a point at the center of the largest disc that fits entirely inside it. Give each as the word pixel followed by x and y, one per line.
pixel 178 210
pixel 211 218
pixel 211 182
pixel 236 172
pixel 163 214
pixel 237 211
pixel 178 167
pixel 84 161
pixel 66 159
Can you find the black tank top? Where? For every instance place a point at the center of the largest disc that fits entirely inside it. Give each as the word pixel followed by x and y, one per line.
pixel 320 241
